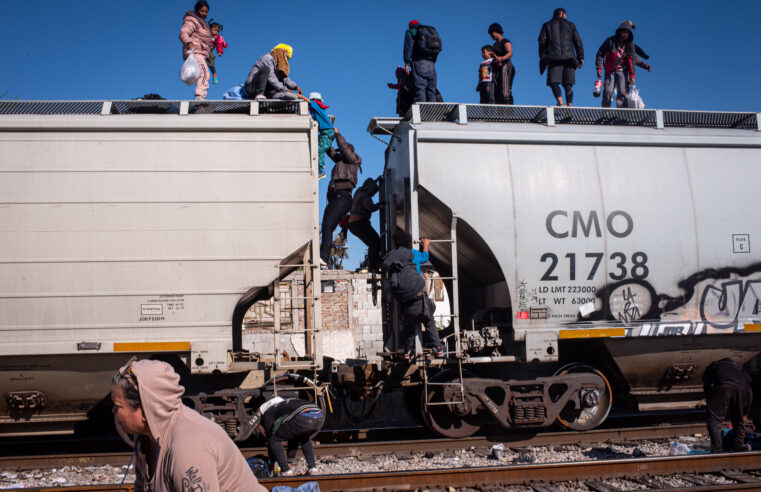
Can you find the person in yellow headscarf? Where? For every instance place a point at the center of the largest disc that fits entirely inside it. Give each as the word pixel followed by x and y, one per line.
pixel 269 77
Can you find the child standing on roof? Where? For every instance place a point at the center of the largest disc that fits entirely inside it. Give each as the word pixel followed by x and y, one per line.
pixel 485 76
pixel 218 42
pixel 326 131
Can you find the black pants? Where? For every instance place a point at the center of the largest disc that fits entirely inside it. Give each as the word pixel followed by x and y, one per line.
pixel 298 432
pixel 727 401
pixel 418 311
pixel 365 232
pixel 339 203
pixel 503 83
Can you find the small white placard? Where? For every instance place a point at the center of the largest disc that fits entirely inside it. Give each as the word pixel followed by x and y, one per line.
pixel 151 309
pixel 587 309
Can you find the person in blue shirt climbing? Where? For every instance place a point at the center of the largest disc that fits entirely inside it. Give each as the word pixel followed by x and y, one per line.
pixel 326 132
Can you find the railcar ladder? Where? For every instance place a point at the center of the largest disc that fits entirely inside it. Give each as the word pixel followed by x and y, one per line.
pixel 312 318
pixel 455 314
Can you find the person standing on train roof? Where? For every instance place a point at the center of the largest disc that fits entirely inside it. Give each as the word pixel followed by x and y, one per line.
pixel 195 35
pixel 422 46
pixel 728 393
pixel 343 179
pixel 176 449
pixel 503 69
pixel 561 53
pixel 616 56
pixel 293 420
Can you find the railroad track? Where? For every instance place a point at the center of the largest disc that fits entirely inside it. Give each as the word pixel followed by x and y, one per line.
pixel 709 472
pixel 369 448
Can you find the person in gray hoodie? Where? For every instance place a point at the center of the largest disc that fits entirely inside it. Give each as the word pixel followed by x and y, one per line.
pixel 176 449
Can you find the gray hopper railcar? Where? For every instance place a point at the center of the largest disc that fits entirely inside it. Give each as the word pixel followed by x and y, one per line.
pixel 594 256
pixel 146 228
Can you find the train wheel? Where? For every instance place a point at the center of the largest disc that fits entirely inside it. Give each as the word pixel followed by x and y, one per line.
pixel 453 419
pixel 595 404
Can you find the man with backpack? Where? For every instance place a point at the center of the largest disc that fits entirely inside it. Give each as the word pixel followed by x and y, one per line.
pixel 422 46
pixel 407 286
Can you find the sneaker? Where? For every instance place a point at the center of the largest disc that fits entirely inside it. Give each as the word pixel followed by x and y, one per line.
pixel 312 471
pixel 199 98
pixel 216 80
pixel 287 473
pixel 438 352
pixel 409 355
pixel 259 97
pixel 323 265
pixel 322 175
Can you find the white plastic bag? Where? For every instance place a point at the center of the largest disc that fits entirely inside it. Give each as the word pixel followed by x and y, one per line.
pixel 634 100
pixel 190 71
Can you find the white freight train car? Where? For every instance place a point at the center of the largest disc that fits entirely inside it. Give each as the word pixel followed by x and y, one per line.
pixel 142 228
pixel 627 242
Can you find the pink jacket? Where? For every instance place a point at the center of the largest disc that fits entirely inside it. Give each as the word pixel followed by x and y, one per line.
pixel 194 453
pixel 221 44
pixel 195 30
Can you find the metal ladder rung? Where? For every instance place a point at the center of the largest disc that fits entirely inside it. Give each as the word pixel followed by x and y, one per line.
pixel 442 240
pixel 310 265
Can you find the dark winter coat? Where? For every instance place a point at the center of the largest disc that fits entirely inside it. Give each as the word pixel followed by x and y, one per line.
pixel 725 372
pixel 559 41
pixel 348 163
pixel 362 206
pixel 606 53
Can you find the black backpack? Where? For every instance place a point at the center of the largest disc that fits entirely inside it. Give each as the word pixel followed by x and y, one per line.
pixel 427 42
pixel 406 283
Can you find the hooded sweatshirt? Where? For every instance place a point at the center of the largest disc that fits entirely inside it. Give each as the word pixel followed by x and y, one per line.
pixel 195 30
pixel 612 58
pixel 194 453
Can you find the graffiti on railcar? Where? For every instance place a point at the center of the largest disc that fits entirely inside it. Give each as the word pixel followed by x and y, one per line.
pixel 713 301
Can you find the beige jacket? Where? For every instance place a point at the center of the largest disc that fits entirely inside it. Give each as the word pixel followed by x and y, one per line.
pixel 195 30
pixel 194 453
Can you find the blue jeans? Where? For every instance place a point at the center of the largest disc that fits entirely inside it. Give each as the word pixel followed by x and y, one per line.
pixel 424 77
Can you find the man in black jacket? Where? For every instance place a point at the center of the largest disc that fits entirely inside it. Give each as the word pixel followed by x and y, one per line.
pixel 728 394
pixel 561 52
pixel 414 304
pixel 343 179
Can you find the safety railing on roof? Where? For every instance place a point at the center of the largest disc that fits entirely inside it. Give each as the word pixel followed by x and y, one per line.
pixel 552 115
pixel 152 106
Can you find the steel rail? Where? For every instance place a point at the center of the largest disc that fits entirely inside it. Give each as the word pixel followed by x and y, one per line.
pixel 367 448
pixel 540 475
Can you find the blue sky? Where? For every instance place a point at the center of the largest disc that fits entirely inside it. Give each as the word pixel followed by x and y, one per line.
pixel 704 54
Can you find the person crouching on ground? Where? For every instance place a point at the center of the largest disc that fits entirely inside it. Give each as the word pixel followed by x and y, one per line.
pixel 177 449
pixel 292 420
pixel 728 393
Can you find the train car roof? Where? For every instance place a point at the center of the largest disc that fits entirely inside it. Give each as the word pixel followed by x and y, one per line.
pixel 525 124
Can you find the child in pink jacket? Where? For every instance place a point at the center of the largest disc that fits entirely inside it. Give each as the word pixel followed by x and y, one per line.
pixel 218 42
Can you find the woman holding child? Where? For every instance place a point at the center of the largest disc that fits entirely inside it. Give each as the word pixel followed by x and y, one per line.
pixel 196 35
